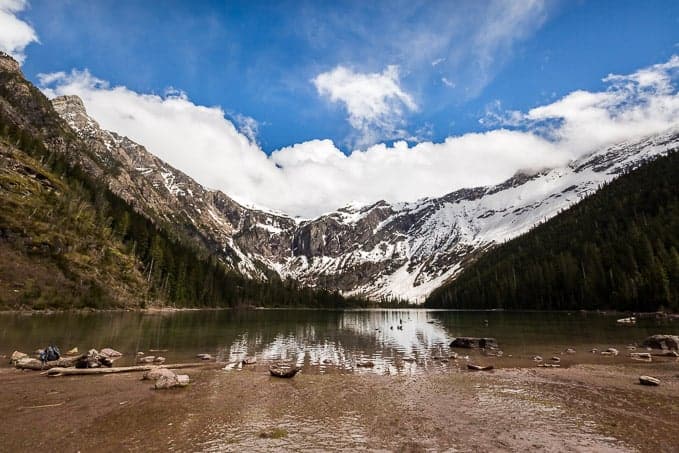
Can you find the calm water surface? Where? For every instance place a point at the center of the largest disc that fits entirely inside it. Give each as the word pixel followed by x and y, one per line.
pixel 397 341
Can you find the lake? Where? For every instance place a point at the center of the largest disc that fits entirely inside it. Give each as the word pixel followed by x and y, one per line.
pixel 322 341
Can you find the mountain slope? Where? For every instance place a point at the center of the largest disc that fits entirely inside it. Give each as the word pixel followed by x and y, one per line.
pixel 69 241
pixel 617 249
pixel 399 250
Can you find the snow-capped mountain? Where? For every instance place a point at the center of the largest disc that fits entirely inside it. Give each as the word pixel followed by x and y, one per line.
pixel 402 250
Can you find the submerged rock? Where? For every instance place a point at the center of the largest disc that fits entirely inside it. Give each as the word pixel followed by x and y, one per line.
pixel 474 343
pixel 366 364
pixel 146 359
pixel 662 342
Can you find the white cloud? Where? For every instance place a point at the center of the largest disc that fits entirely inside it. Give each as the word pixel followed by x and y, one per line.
pixel 375 102
pixel 15 34
pixel 315 176
pixel 447 82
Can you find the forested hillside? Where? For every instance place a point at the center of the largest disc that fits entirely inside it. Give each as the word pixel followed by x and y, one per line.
pixel 617 249
pixel 66 241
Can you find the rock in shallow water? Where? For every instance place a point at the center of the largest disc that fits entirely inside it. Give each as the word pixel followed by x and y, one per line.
pixel 474 343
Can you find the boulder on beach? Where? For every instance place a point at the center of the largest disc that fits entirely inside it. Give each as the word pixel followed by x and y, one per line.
pixel 157 373
pixel 170 380
pixel 474 343
pixel 110 353
pixel 16 356
pixel 662 342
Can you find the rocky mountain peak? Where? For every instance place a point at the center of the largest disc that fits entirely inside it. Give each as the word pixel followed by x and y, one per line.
pixel 69 104
pixel 7 63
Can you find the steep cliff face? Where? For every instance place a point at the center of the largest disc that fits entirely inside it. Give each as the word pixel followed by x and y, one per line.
pixel 384 250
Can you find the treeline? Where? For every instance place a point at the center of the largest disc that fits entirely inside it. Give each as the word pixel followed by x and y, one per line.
pixel 176 272
pixel 617 249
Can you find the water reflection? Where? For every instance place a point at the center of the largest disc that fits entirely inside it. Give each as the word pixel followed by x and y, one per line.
pixel 384 342
pixel 321 341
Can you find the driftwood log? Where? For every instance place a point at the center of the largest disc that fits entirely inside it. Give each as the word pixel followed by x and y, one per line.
pixel 35 364
pixel 123 369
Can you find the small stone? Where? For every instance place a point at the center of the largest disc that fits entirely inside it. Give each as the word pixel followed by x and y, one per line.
pixel 250 360
pixel 453 355
pixel 570 351
pixel 644 356
pixel 649 380
pixel 139 354
pixel 537 358
pixel 594 351
pixel 183 380
pixel 73 351
pixel 327 361
pixel 159 360
pixel 204 356
pixel 555 359
pixel 146 359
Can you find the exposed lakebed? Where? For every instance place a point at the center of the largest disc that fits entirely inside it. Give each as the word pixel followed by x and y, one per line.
pixel 321 341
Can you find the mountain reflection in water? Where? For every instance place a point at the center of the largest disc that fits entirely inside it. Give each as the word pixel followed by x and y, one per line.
pixel 395 341
pixel 322 341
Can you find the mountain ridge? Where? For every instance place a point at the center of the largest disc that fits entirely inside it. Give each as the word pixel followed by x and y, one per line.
pixel 383 250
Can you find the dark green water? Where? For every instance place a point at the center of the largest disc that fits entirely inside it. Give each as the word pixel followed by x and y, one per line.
pixel 343 337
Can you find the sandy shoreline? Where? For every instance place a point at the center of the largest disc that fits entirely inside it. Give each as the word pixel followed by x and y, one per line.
pixel 584 407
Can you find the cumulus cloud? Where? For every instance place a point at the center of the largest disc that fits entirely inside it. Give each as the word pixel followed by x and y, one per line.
pixel 375 102
pixel 15 34
pixel 313 177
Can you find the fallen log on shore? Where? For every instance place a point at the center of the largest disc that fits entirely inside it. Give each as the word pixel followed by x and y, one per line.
pixel 123 369
pixel 37 365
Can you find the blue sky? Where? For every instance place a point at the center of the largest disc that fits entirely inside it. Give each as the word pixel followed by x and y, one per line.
pixel 304 107
pixel 259 58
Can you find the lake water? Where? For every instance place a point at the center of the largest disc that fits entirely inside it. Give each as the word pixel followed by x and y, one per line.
pixel 397 341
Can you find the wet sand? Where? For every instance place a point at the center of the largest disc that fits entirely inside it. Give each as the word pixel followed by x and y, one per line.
pixel 592 407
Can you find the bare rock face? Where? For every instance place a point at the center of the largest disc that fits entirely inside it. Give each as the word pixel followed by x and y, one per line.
pixel 9 64
pixel 383 250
